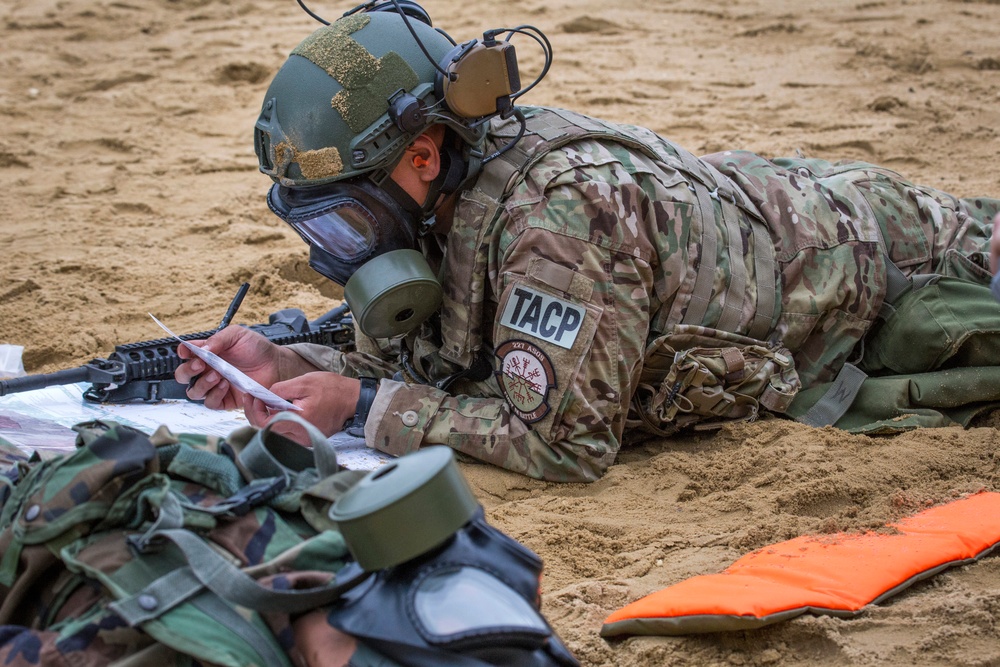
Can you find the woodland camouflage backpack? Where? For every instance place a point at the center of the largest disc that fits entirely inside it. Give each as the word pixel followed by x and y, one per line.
pixel 184 549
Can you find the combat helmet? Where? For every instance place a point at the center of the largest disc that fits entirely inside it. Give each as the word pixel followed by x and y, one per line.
pixel 352 96
pixel 337 118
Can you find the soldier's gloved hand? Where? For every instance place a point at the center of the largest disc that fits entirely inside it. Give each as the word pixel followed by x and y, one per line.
pixel 328 401
pixel 248 351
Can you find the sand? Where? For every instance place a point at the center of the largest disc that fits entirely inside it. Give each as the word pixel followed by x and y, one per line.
pixel 130 185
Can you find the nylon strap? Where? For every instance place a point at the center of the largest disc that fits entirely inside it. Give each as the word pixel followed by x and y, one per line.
pixel 170 515
pixel 764 269
pixel 706 186
pixel 229 582
pixel 897 284
pixel 260 643
pixel 280 457
pixel 495 178
pixel 837 399
pixel 704 283
pixel 158 597
pixel 732 307
pixel 764 259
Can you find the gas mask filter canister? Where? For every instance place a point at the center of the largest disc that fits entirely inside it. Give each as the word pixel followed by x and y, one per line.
pixel 361 238
pixel 393 293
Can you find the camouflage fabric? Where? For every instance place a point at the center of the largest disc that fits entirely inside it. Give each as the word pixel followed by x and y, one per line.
pixel 79 555
pixel 611 237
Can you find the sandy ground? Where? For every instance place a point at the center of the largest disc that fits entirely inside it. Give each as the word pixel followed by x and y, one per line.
pixel 130 185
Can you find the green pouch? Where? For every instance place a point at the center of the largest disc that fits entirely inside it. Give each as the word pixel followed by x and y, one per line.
pixel 935 361
pixel 947 324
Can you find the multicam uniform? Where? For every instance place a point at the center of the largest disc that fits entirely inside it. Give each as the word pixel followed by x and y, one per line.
pixel 591 252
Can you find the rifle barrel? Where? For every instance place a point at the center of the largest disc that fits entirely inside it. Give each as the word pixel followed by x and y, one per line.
pixel 332 315
pixel 29 382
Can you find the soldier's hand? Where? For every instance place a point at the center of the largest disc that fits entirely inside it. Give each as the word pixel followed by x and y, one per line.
pixel 247 350
pixel 328 401
pixel 317 644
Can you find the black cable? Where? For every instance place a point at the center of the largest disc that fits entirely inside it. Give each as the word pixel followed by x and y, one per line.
pixel 510 144
pixel 543 42
pixel 446 36
pixel 406 20
pixel 311 13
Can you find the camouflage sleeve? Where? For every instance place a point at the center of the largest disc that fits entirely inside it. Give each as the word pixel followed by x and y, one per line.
pixel 348 364
pixel 573 274
pixel 559 399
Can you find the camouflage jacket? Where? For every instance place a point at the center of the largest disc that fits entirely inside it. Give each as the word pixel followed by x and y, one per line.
pixel 92 571
pixel 606 243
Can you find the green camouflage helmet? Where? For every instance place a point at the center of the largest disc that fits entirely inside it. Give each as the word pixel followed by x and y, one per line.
pixel 328 114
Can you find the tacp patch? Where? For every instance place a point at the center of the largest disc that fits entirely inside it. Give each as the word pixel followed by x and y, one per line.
pixel 544 316
pixel 525 378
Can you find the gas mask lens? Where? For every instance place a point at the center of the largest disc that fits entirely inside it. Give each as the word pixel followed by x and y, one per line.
pixel 455 602
pixel 465 605
pixel 361 238
pixel 345 230
pixel 341 226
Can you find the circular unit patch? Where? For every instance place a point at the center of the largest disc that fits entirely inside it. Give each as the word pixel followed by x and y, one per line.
pixel 525 378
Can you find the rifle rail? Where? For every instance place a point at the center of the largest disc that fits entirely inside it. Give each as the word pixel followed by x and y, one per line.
pixel 144 370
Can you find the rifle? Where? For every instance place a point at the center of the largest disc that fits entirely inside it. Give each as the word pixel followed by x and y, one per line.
pixel 145 371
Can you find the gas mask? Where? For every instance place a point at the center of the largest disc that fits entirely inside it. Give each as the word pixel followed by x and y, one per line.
pixel 364 239
pixel 445 587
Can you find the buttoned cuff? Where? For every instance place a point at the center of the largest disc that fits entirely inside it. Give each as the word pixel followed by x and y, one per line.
pixel 400 416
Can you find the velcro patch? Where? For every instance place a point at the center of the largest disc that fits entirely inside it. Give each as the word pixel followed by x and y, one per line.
pixel 525 378
pixel 543 316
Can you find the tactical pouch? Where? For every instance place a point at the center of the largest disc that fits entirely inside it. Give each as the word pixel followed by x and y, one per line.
pixel 933 361
pixel 948 323
pixel 700 377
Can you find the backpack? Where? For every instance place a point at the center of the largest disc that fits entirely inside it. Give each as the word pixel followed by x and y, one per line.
pixel 933 359
pixel 186 549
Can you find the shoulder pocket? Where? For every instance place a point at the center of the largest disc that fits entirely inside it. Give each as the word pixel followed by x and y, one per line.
pixel 542 337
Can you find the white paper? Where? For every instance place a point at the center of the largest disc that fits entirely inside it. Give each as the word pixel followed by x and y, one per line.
pixel 39 420
pixel 11 364
pixel 236 377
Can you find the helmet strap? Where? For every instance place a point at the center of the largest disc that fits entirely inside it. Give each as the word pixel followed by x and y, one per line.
pixel 450 176
pixel 401 197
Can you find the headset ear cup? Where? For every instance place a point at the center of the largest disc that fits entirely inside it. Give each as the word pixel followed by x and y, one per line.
pixel 478 79
pixel 447 68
